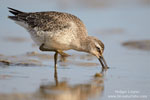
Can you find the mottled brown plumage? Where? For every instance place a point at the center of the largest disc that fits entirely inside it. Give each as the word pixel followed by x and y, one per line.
pixel 57 31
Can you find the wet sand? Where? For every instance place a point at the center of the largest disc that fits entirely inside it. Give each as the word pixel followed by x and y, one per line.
pixel 141 44
pixel 26 73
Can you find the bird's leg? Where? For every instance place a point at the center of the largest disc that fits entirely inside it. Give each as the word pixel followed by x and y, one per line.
pixel 55 59
pixel 55 76
pixel 55 62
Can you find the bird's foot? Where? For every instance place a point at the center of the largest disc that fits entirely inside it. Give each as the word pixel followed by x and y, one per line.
pixel 63 55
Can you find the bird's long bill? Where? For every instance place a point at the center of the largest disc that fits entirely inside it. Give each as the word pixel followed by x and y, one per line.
pixel 103 62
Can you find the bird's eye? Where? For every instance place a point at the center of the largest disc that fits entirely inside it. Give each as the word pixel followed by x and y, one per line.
pixel 98 49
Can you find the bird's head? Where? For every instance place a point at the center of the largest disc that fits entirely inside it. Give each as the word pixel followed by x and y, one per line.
pixel 96 48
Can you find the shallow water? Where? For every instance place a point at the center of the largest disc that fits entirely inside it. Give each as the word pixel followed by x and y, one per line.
pixel 27 73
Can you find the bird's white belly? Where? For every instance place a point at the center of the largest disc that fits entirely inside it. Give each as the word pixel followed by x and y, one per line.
pixel 37 37
pixel 57 40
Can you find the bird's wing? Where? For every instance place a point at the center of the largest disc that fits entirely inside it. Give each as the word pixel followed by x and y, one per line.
pixel 44 21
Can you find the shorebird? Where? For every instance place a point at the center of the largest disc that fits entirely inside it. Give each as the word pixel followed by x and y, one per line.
pixel 58 32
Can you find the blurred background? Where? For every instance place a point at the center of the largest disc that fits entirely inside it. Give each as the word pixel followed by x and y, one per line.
pixel 100 16
pixel 123 26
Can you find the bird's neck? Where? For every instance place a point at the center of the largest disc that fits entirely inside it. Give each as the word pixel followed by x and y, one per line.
pixel 84 44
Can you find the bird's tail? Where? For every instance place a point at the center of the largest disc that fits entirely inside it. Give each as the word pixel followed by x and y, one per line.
pixel 15 13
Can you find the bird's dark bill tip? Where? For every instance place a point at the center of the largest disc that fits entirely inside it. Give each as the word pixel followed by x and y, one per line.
pixel 103 62
pixel 106 67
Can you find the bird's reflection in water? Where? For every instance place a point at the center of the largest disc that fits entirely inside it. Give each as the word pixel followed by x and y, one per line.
pixel 64 91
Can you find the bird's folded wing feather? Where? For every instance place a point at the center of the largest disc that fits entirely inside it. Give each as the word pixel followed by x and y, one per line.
pixel 44 21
